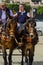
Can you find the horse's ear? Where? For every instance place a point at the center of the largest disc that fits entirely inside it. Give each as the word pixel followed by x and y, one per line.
pixel 7 19
pixel 28 20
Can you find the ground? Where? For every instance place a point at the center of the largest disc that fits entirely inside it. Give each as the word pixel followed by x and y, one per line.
pixel 38 57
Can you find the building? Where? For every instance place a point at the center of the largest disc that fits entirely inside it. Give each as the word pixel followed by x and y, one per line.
pixel 25 1
pixel 42 1
pixel 20 1
pixel 17 0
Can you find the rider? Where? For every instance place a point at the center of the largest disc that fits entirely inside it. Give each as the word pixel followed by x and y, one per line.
pixel 21 15
pixel 4 13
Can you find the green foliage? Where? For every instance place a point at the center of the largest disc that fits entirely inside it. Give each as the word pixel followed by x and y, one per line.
pixel 36 0
pixel 40 10
pixel 15 7
pixel 33 0
pixel 7 1
pixel 27 7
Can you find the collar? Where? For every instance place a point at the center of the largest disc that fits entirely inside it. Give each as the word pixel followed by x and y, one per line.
pixel 22 12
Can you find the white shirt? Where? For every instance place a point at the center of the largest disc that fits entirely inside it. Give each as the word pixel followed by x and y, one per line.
pixel 11 13
pixel 3 17
pixel 28 14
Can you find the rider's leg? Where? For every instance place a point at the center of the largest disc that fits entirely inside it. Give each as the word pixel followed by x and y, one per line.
pixel 3 27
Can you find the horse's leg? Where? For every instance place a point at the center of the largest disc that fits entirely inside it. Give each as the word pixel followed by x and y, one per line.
pixel 22 58
pixel 26 59
pixel 10 57
pixel 25 53
pixel 4 55
pixel 5 58
pixel 31 54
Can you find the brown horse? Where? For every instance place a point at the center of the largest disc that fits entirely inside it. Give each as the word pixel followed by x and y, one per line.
pixel 8 40
pixel 29 42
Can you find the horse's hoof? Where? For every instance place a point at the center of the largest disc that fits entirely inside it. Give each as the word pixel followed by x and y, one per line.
pixel 26 60
pixel 21 63
pixel 30 64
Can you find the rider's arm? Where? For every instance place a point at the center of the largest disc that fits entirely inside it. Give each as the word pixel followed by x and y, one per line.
pixel 15 15
pixel 11 13
pixel 28 15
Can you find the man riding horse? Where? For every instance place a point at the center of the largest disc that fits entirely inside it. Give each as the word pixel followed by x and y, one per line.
pixel 4 14
pixel 21 15
pixel 9 41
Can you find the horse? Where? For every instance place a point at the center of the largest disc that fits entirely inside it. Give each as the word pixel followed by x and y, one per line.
pixel 29 41
pixel 8 40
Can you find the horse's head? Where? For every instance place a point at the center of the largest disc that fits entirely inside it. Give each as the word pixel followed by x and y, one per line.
pixel 31 27
pixel 32 22
pixel 11 26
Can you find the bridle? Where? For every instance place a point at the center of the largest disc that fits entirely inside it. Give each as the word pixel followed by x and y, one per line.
pixel 30 28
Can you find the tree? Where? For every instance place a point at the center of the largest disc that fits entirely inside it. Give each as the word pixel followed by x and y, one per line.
pixel 40 10
pixel 7 1
pixel 36 0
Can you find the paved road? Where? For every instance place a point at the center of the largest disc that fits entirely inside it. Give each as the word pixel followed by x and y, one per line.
pixel 38 57
pixel 40 40
pixel 19 62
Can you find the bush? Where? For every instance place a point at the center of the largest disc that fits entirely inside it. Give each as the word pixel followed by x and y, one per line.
pixel 36 0
pixel 15 7
pixel 40 10
pixel 27 7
